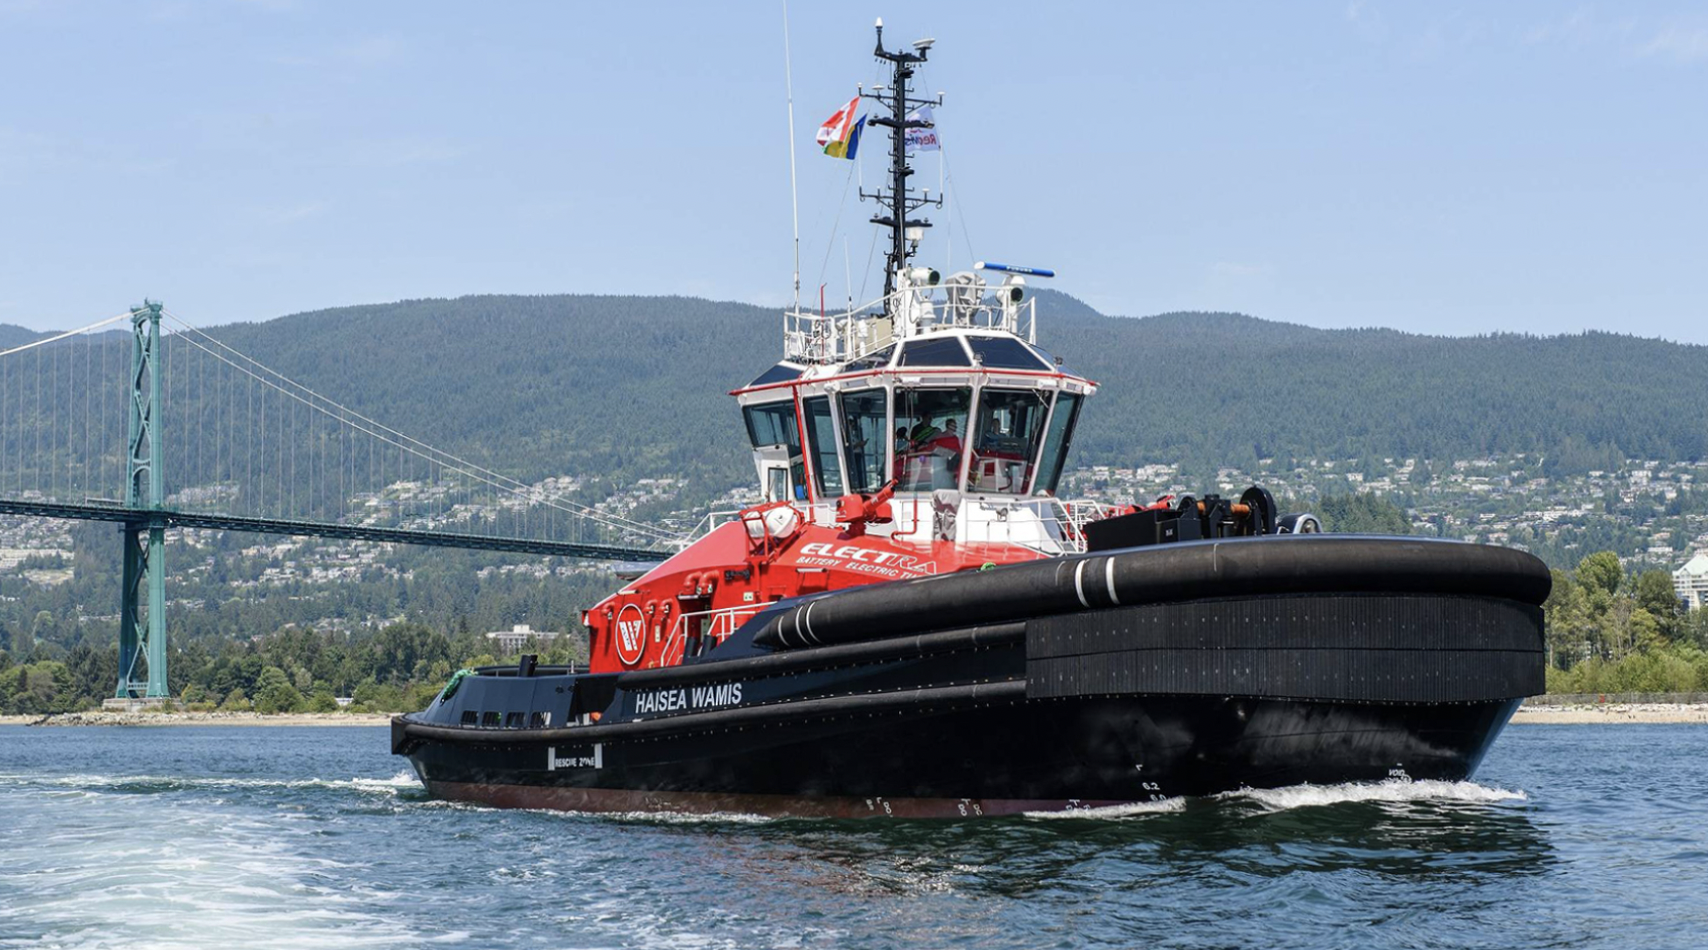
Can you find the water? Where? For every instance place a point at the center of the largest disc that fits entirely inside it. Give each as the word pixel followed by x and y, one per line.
pixel 1572 836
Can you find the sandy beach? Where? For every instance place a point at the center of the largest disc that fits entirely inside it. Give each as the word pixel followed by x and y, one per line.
pixel 1577 713
pixel 199 719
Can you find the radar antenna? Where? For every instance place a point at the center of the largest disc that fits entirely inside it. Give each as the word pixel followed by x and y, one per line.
pixel 899 202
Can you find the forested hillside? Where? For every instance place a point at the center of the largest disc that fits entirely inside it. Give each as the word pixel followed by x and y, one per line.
pixel 1214 388
pixel 631 387
pixel 11 336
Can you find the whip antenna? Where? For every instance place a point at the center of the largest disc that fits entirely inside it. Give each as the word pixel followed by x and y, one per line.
pixel 794 192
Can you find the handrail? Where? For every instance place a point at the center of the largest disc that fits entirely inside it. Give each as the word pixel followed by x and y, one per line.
pixel 909 311
pixel 723 624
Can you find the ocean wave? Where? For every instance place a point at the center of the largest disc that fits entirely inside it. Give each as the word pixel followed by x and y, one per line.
pixel 141 874
pixel 1105 812
pixel 1396 791
pixel 661 817
pixel 403 780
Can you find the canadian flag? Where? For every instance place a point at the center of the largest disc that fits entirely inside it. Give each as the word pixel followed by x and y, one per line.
pixel 835 128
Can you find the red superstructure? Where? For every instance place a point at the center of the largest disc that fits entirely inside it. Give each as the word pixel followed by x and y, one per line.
pixel 923 433
pixel 917 436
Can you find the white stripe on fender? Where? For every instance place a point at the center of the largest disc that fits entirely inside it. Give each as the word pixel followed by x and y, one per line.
pixel 807 616
pixel 1109 580
pixel 1079 583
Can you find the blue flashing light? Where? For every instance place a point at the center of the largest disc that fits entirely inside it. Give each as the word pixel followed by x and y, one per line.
pixel 1015 269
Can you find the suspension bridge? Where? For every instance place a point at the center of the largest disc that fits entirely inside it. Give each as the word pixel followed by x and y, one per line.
pixel 165 427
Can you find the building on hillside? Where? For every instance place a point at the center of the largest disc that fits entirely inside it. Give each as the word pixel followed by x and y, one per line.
pixel 512 640
pixel 1691 581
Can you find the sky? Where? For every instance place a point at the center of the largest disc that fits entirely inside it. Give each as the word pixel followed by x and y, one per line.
pixel 1442 168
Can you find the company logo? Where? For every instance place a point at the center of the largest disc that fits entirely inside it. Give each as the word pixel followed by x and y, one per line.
pixel 631 635
pixel 863 560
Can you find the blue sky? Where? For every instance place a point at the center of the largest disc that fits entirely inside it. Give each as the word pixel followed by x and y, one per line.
pixel 1439 168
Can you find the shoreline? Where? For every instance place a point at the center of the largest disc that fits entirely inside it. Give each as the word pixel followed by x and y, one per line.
pixel 1590 713
pixel 98 718
pixel 1528 714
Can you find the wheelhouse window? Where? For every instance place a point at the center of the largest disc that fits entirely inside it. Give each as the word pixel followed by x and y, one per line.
pixel 927 437
pixel 865 425
pixel 1056 443
pixel 877 360
pixel 773 424
pixel 772 427
pixel 826 467
pixel 777 374
pixel 943 351
pixel 1005 444
pixel 1002 352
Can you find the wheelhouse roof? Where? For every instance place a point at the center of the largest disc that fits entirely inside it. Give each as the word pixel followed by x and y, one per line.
pixel 950 350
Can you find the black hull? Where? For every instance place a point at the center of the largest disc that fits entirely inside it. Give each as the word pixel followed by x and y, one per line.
pixel 1102 702
pixel 1007 758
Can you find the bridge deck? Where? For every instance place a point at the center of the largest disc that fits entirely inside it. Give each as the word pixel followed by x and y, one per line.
pixel 441 539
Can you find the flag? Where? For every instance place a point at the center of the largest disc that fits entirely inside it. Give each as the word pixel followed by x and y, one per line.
pixel 836 128
pixel 922 139
pixel 848 148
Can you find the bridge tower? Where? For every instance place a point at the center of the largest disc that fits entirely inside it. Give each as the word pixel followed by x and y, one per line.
pixel 142 617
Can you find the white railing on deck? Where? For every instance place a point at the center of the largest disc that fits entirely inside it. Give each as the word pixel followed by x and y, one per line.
pixel 914 517
pixel 715 626
pixel 837 337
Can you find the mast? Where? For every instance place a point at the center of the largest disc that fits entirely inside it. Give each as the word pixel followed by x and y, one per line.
pixel 898 203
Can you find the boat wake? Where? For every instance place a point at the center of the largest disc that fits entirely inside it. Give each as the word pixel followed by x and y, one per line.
pixel 667 817
pixel 1393 791
pixel 1108 812
pixel 403 781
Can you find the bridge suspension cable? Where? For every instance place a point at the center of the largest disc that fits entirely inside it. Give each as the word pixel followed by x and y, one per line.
pixel 301 394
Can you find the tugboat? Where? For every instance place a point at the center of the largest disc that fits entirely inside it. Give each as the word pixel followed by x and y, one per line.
pixel 913 624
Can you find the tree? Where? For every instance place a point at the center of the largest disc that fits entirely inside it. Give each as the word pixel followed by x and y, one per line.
pixel 1643 632
pixel 1600 572
pixel 1569 632
pixel 274 692
pixel 43 627
pixel 22 644
pixel 1655 594
pixel 1362 513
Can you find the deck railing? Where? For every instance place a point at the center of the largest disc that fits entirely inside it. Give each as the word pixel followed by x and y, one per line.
pixel 840 336
pixel 697 631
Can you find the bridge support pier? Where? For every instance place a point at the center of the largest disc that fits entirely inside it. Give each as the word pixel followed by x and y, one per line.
pixel 142 620
pixel 142 616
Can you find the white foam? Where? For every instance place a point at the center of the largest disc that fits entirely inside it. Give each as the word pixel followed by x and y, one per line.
pixel 662 817
pixel 402 780
pixel 1128 810
pixel 1396 791
pixel 184 875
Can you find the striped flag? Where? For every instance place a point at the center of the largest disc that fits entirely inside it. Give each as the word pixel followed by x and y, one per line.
pixel 848 148
pixel 840 134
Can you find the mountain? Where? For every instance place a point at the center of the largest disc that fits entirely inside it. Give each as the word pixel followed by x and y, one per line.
pixel 1216 388
pixel 634 387
pixel 13 335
